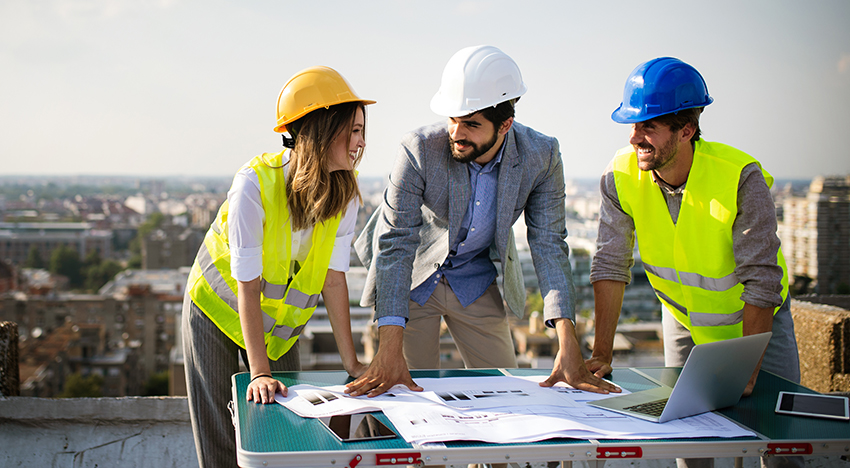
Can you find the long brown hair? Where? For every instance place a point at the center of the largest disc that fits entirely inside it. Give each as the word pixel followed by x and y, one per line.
pixel 315 194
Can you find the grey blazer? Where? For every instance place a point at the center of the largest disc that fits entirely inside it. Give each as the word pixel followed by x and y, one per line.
pixel 408 236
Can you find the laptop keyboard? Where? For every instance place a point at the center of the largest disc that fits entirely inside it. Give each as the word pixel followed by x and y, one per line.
pixel 653 408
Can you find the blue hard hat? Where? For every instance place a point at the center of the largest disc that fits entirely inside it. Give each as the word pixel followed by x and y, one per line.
pixel 661 86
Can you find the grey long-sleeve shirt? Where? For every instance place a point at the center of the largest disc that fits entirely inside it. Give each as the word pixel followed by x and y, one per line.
pixel 754 239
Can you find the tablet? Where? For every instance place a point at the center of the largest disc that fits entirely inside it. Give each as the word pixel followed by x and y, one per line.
pixel 357 427
pixel 815 405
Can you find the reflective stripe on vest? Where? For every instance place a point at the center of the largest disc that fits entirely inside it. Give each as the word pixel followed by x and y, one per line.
pixel 690 263
pixel 701 319
pixel 712 284
pixel 288 296
pixel 693 279
pixel 219 285
pixel 271 290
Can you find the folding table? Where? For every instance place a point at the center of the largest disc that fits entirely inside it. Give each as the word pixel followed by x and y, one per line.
pixel 273 436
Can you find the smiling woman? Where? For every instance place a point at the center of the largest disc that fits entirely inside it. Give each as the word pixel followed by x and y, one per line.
pixel 328 145
pixel 280 239
pixel 347 149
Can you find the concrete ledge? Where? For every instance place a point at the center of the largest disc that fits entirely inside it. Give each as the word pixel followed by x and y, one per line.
pixel 133 432
pixel 126 410
pixel 837 300
pixel 823 341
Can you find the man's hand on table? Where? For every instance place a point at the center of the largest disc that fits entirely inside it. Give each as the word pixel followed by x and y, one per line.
pixel 387 369
pixel 598 366
pixel 570 367
pixel 574 373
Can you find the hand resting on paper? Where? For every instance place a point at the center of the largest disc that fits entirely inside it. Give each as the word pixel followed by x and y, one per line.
pixel 569 365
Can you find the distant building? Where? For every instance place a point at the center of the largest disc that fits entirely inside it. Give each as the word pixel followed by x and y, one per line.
pixel 170 247
pixel 141 203
pixel 47 360
pixel 639 299
pixel 137 311
pixel 815 234
pixel 203 207
pixel 8 277
pixel 40 282
pixel 16 239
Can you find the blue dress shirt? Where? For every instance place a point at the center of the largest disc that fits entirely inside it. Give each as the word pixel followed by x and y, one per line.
pixel 468 268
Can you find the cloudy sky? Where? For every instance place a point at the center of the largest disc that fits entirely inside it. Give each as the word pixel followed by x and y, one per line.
pixel 184 87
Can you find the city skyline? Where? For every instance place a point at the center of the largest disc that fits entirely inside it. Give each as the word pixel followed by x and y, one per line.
pixel 162 88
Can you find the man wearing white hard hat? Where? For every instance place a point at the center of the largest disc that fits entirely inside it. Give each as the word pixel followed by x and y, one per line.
pixel 456 190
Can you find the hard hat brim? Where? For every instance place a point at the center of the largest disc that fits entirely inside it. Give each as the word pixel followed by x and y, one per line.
pixel 629 115
pixel 444 106
pixel 280 128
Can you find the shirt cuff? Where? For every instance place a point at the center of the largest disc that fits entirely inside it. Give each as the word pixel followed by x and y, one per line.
pixel 550 323
pixel 765 300
pixel 392 320
pixel 341 255
pixel 246 263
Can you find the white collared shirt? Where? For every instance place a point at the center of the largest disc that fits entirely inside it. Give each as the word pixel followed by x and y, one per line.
pixel 245 229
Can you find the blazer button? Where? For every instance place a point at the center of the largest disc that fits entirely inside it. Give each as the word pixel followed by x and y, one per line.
pixel 436 266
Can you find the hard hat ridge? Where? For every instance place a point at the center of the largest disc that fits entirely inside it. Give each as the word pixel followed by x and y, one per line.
pixel 310 89
pixel 661 86
pixel 476 78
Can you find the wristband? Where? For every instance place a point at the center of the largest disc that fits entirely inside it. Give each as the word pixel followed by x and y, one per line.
pixel 260 375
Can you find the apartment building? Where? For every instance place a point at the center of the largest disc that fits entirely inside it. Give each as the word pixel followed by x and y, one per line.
pixel 136 311
pixel 16 239
pixel 815 234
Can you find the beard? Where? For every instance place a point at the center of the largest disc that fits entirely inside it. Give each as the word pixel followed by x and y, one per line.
pixel 663 156
pixel 475 150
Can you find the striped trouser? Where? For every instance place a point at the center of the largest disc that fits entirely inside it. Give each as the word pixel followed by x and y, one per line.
pixel 210 359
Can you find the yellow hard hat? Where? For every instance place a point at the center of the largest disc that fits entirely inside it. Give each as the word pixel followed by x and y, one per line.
pixel 309 90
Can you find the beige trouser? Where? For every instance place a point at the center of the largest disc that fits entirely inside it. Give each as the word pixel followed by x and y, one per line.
pixel 480 331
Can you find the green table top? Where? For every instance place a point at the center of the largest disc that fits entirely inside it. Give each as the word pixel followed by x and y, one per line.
pixel 273 428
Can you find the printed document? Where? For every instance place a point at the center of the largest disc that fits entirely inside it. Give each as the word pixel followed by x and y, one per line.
pixel 498 409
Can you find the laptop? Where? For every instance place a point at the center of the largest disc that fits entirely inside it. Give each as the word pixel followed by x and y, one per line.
pixel 714 376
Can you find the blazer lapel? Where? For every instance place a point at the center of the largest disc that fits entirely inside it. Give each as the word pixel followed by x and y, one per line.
pixel 510 177
pixel 458 196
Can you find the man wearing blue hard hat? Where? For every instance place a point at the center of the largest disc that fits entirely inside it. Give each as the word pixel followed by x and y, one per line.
pixel 706 225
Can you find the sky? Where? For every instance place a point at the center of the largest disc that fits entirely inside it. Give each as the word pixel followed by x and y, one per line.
pixel 189 87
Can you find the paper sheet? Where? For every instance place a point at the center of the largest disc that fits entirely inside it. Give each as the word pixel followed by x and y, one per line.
pixel 499 409
pixel 439 423
pixel 490 392
pixel 309 401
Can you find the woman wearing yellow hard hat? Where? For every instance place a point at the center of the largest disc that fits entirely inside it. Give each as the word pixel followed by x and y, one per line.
pixel 282 237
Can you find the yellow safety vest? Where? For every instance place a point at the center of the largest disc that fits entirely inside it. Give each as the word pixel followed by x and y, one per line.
pixel 691 264
pixel 288 298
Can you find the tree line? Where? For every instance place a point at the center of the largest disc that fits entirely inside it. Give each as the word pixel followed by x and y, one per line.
pixel 89 273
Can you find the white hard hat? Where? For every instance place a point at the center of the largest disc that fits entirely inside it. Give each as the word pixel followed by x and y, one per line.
pixel 476 78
